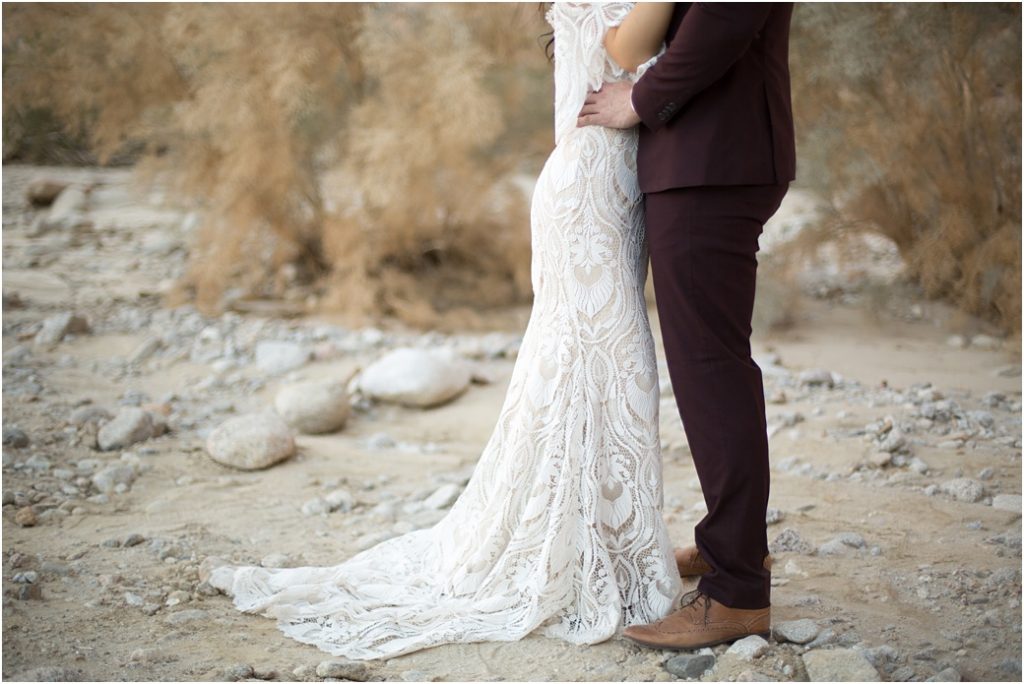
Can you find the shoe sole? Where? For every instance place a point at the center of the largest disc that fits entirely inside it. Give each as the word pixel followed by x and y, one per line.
pixel 763 635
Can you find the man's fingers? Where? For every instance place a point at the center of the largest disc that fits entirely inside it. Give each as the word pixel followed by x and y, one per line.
pixel 591 98
pixel 589 109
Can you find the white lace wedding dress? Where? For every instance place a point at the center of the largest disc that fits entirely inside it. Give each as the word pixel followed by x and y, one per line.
pixel 560 528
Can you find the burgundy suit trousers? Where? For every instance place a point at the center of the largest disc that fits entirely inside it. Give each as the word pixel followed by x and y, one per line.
pixel 703 242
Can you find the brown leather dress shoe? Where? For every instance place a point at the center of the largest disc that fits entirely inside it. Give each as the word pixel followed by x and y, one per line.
pixel 692 564
pixel 701 621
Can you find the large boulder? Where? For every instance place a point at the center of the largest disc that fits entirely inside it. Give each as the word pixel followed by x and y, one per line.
pixel 415 377
pixel 251 441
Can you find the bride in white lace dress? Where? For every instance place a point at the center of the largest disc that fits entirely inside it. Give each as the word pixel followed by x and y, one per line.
pixel 560 528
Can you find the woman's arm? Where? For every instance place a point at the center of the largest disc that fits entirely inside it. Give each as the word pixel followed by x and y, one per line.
pixel 640 34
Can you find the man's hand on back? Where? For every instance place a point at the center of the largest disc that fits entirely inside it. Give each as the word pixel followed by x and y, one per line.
pixel 610 107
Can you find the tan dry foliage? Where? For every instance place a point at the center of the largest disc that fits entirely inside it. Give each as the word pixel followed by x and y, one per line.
pixel 909 118
pixel 250 107
pixel 363 152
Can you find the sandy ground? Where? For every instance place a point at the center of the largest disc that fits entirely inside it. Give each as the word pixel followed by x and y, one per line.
pixel 936 579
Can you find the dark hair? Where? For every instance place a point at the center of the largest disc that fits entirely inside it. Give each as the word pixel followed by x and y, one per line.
pixel 549 49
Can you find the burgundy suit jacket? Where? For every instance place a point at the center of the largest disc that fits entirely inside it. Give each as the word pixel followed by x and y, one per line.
pixel 716 106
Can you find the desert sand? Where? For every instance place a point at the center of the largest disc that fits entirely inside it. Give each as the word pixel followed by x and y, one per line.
pixel 895 511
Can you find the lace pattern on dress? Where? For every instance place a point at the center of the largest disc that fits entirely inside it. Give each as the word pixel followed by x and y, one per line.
pixel 560 527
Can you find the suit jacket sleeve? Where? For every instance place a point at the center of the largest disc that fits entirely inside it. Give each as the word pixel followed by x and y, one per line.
pixel 711 37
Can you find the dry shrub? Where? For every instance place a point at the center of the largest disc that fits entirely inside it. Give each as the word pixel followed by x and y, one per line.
pixel 260 111
pixel 909 118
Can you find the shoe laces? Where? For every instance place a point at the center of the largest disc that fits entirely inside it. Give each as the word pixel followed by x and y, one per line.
pixel 694 596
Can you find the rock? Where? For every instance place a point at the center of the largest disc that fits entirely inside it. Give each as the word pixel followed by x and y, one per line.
pixel 27 577
pixel 880 656
pixel 340 669
pixel 839 665
pixel 902 674
pixel 130 425
pixel 749 647
pixel 149 656
pixel 985 342
pixel 25 517
pixel 949 674
pixel 993 399
pixel 304 673
pixel 1007 502
pixel 964 489
pixel 690 665
pixel 71 202
pixel 29 592
pixel 956 341
pixel 918 466
pixel 160 243
pixel 145 350
pixel 796 631
pixel 443 497
pixel 237 673
pixel 880 459
pixel 380 440
pixel 841 543
pixel 278 560
pixel 789 540
pixel 313 407
pixel 84 415
pixel 12 300
pixel 133 539
pixel 316 506
pixel 816 377
pixel 773 516
pixel 417 676
pixel 276 357
pixel 14 436
pixel 42 191
pixel 37 462
pixel 340 500
pixel 414 377
pixel 792 568
pixel 894 441
pixel 107 480
pixel 982 418
pixel 251 441
pixel 55 327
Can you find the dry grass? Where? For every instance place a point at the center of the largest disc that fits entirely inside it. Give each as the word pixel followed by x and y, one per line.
pixel 364 152
pixel 248 108
pixel 909 118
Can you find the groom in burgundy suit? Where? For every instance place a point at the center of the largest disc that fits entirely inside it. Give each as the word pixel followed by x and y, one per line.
pixel 715 158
